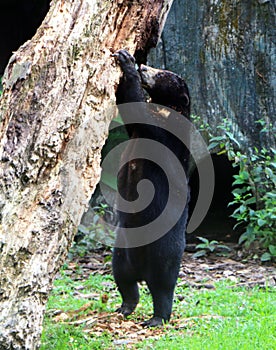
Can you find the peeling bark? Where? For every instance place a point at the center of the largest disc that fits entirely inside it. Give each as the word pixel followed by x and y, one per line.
pixel 58 100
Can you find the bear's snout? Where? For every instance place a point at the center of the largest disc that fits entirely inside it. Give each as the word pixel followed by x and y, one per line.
pixel 143 68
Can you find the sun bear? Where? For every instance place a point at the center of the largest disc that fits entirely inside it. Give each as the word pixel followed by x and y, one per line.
pixel 157 262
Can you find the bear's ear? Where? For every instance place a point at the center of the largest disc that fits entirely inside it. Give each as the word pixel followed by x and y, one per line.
pixel 185 97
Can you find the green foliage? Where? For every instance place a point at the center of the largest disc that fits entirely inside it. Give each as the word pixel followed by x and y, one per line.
pixel 254 199
pixel 207 247
pixel 203 127
pixel 270 254
pixel 116 135
pixel 94 236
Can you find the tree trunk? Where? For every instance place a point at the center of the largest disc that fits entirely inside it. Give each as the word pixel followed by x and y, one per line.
pixel 226 52
pixel 58 100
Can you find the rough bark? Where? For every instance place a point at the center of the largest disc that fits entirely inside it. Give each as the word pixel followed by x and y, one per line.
pixel 58 100
pixel 226 52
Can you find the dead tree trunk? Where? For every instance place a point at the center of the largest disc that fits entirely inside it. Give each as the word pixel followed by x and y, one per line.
pixel 58 100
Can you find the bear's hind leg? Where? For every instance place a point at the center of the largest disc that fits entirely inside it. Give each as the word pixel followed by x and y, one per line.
pixel 161 287
pixel 162 305
pixel 130 295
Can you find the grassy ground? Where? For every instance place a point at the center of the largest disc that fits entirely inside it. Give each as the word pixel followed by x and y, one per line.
pixel 226 316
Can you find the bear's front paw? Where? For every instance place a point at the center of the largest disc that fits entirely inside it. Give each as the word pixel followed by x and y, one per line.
pixel 124 58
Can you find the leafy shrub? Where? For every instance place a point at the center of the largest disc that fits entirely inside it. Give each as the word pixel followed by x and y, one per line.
pixel 207 247
pixel 254 198
pixel 256 201
pixel 96 235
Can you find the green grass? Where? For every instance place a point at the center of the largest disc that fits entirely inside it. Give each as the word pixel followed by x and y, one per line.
pixel 224 318
pixel 227 317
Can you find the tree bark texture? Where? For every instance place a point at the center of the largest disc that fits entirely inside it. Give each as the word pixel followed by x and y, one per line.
pixel 226 51
pixel 58 100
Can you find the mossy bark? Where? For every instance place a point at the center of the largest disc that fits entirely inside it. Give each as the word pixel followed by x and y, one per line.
pixel 226 52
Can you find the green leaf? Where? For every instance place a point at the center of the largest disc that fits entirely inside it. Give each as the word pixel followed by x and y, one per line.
pixel 265 257
pixel 271 195
pixel 261 222
pixel 231 154
pixel 242 208
pixel 244 175
pixel 214 242
pixel 218 138
pixel 243 238
pixel 212 145
pixel 231 137
pixel 222 246
pixel 201 246
pixel 272 249
pixel 237 224
pixel 199 254
pixel 269 173
pixel 239 190
pixel 238 182
pixel 250 201
pixel 205 240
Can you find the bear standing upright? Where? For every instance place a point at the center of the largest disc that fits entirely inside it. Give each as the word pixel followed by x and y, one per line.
pixel 157 262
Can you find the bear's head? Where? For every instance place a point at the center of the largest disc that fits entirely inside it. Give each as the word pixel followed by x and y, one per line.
pixel 166 88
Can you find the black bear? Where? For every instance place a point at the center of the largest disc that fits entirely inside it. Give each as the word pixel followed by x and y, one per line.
pixel 156 262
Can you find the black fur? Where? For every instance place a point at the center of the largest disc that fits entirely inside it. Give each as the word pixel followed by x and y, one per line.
pixel 156 263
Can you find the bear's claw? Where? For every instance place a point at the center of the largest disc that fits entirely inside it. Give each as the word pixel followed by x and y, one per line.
pixel 124 57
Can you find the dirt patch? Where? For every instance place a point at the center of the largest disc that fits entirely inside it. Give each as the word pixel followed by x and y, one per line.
pixel 200 273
